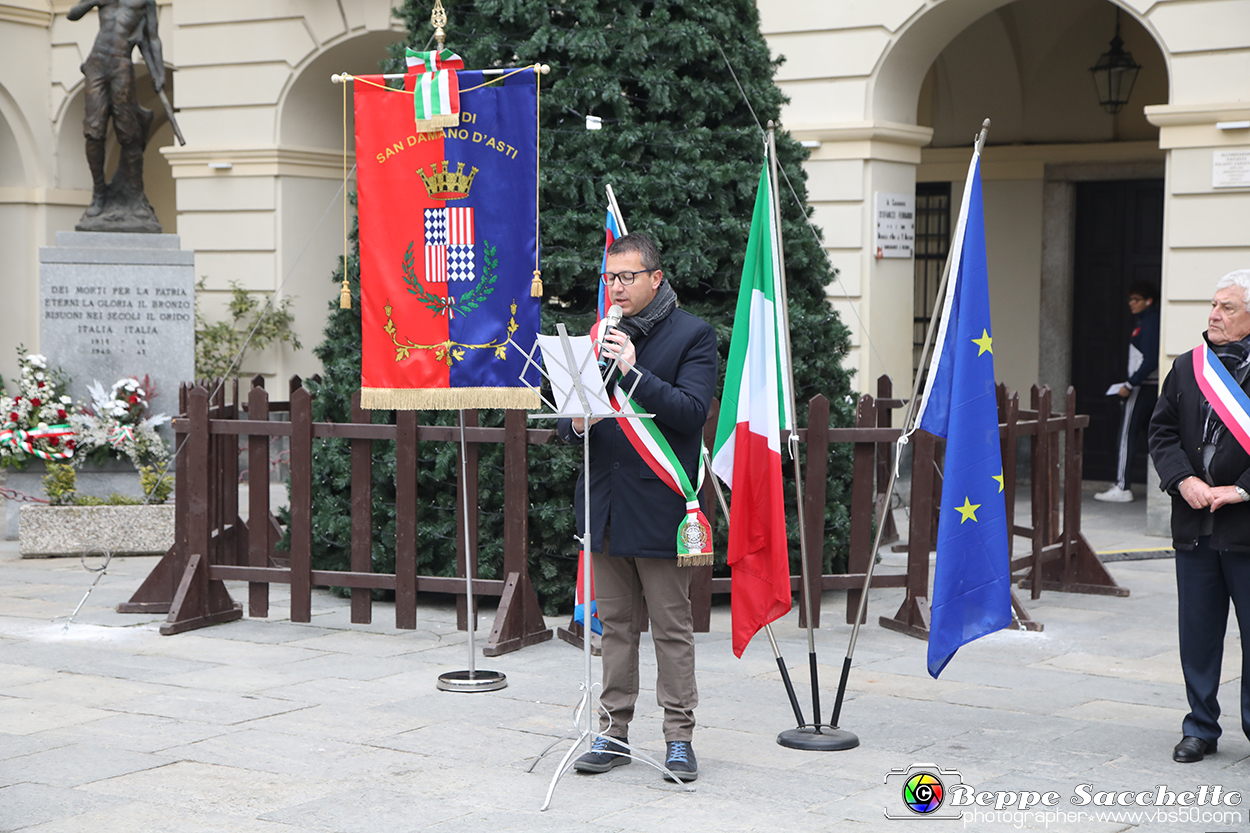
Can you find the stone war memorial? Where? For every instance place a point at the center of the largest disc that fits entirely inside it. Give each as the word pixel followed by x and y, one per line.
pixel 116 296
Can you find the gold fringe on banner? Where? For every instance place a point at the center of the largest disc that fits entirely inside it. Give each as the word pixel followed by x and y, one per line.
pixel 436 123
pixel 447 399
pixel 698 559
pixel 345 296
pixel 536 285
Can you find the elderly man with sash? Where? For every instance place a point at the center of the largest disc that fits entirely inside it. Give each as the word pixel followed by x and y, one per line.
pixel 647 530
pixel 1200 444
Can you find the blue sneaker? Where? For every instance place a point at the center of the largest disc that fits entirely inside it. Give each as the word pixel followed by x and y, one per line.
pixel 681 761
pixel 605 753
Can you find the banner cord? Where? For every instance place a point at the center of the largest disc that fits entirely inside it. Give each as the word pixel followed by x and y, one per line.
pixel 345 292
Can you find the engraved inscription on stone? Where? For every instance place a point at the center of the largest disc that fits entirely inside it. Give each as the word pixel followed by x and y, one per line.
pixel 123 309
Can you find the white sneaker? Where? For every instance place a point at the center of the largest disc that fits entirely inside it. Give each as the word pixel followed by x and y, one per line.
pixel 1115 495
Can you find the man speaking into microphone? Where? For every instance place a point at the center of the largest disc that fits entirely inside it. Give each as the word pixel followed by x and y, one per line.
pixel 668 359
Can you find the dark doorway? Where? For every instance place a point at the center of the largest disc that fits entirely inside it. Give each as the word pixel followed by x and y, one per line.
pixel 1119 240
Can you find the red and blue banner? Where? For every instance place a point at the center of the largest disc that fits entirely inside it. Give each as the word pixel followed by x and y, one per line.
pixel 448 246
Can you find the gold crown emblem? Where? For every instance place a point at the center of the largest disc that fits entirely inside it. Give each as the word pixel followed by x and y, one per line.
pixel 443 185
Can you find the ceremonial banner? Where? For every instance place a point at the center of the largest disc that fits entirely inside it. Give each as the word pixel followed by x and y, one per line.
pixel 448 247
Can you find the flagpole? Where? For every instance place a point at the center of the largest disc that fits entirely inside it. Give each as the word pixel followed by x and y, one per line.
pixel 616 209
pixel 768 628
pixel 806 736
pixel 979 144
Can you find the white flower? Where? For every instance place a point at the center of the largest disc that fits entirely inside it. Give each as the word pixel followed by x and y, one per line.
pixel 65 400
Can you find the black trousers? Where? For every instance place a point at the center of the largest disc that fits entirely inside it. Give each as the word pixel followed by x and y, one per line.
pixel 1135 411
pixel 1206 580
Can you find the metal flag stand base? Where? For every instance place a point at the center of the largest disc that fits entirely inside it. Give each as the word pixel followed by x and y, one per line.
pixel 471 680
pixel 822 738
pixel 584 714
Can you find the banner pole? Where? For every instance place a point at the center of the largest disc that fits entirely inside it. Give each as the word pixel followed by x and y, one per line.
pixel 472 679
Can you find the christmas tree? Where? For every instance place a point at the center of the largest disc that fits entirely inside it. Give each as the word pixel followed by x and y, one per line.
pixel 682 148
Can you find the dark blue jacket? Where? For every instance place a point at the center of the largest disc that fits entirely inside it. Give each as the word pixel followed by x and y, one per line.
pixel 676 370
pixel 1146 339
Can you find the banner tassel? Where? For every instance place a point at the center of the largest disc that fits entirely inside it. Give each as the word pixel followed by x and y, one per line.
pixel 345 295
pixel 536 286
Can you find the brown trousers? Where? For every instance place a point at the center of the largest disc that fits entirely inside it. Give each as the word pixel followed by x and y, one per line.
pixel 621 586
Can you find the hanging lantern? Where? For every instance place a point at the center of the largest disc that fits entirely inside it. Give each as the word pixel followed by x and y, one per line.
pixel 1115 73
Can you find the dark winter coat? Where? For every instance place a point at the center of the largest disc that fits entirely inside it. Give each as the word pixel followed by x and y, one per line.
pixel 1176 449
pixel 676 363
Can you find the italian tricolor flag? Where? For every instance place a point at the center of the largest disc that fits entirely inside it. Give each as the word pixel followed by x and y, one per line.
pixel 755 407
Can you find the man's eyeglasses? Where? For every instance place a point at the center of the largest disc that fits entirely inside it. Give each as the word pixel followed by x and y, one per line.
pixel 624 278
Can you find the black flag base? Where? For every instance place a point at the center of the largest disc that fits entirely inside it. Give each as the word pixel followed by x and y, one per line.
pixel 822 738
pixel 469 681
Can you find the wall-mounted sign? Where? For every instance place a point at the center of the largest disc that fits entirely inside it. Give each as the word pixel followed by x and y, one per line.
pixel 896 225
pixel 1230 169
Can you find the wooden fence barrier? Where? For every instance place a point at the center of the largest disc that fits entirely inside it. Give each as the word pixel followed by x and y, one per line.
pixel 1059 552
pixel 212 543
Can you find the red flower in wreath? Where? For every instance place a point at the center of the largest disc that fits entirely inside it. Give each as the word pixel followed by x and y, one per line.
pixel 36 402
pixel 41 384
pixel 70 444
pixel 54 441
pixel 13 417
pixel 133 399
pixel 60 413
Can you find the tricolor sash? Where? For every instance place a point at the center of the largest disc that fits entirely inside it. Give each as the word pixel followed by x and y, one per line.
pixel 24 440
pixel 437 88
pixel 694 533
pixel 1225 396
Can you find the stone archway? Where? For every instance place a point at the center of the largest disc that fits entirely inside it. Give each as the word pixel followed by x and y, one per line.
pixel 309 131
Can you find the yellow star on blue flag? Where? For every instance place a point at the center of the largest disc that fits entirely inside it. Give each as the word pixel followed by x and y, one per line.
pixel 968 510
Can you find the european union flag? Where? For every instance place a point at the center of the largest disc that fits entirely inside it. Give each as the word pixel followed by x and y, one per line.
pixel 972 578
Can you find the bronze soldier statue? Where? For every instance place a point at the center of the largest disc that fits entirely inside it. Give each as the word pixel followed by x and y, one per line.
pixel 120 205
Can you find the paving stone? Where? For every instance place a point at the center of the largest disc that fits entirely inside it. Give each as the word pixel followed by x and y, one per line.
pixel 370 810
pixel 214 707
pixel 20 716
pixel 132 732
pixel 25 805
pixel 142 817
pixel 76 764
pixel 190 788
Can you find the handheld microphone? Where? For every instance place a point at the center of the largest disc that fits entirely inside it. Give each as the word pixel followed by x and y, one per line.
pixel 615 313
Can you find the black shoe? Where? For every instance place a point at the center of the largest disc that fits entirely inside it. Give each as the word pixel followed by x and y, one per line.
pixel 680 760
pixel 1191 750
pixel 606 752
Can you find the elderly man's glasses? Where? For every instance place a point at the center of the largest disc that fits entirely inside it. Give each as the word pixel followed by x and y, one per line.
pixel 624 278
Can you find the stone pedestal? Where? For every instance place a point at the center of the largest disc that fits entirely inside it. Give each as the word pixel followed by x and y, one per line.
pixel 114 305
pixel 99 480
